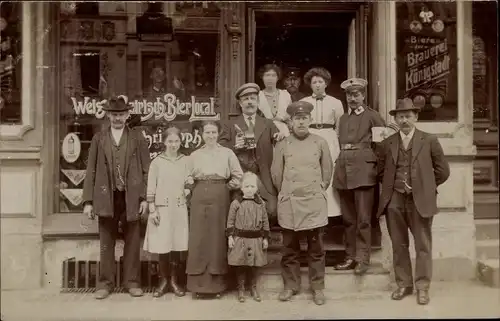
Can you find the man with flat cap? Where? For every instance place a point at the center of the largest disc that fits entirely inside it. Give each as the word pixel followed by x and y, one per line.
pixel 292 84
pixel 411 167
pixel 115 191
pixel 302 171
pixel 252 139
pixel 355 175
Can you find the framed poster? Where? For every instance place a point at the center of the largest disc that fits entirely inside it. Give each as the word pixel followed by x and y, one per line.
pixel 427 58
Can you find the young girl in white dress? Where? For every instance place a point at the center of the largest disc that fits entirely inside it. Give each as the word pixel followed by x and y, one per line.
pixel 167 229
pixel 325 117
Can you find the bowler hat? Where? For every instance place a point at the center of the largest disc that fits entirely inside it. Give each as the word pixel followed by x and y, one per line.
pixel 405 104
pixel 299 107
pixel 246 89
pixel 117 104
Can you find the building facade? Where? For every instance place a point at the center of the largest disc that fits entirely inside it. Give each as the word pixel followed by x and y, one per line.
pixel 64 59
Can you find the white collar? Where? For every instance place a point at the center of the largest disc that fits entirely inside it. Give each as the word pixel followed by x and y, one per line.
pixel 357 111
pixel 410 134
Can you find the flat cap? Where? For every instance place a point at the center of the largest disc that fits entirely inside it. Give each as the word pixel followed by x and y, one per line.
pixel 246 89
pixel 352 83
pixel 299 107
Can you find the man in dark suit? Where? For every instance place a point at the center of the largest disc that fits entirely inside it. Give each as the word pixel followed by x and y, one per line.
pixel 411 166
pixel 252 138
pixel 115 191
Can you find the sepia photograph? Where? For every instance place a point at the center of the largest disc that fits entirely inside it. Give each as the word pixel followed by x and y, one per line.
pixel 239 160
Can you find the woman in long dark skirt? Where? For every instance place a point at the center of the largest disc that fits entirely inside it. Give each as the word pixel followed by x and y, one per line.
pixel 215 170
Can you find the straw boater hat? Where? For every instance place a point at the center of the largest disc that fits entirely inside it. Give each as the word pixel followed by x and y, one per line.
pixel 299 107
pixel 247 89
pixel 117 104
pixel 405 104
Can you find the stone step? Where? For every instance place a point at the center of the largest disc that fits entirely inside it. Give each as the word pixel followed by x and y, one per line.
pixel 488 249
pixel 487 229
pixel 488 272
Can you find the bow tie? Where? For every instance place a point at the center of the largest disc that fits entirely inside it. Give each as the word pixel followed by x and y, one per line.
pixel 319 97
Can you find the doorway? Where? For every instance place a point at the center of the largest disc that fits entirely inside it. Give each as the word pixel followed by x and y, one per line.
pixel 303 40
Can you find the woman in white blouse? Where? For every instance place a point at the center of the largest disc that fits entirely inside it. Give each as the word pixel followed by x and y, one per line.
pixel 325 117
pixel 273 101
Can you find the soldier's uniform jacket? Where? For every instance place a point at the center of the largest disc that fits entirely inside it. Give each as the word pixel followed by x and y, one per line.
pixel 301 171
pixel 356 165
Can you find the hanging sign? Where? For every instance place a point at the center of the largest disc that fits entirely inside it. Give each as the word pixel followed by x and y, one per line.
pixel 71 148
pixel 166 108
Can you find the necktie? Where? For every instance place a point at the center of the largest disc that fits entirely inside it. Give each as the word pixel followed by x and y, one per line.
pixel 406 142
pixel 250 124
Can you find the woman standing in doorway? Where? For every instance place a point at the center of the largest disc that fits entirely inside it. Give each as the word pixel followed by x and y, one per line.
pixel 325 117
pixel 273 101
pixel 215 170
pixel 167 229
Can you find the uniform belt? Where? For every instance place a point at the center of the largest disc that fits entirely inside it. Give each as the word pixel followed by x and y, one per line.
pixel 321 126
pixel 251 234
pixel 355 146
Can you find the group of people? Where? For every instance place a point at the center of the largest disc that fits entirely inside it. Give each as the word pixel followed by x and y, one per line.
pixel 299 162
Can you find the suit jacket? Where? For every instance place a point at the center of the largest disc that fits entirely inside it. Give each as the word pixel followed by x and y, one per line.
pixel 429 169
pixel 264 132
pixel 98 187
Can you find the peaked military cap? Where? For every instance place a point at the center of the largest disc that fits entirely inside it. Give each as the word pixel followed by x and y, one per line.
pixel 246 89
pixel 353 83
pixel 299 107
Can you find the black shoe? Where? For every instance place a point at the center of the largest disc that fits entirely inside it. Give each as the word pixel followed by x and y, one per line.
pixel 361 268
pixel 161 289
pixel 178 291
pixel 348 264
pixel 401 293
pixel 287 294
pixel 423 297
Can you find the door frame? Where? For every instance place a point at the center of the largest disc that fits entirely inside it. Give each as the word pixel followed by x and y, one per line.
pixel 361 9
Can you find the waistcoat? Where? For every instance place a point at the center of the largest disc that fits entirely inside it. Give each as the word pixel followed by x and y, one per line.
pixel 119 153
pixel 403 168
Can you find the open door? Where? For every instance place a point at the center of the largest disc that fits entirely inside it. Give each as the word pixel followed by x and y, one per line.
pixel 351 50
pixel 250 72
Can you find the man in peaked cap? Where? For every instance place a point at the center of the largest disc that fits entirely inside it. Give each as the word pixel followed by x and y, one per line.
pixel 355 175
pixel 302 171
pixel 411 166
pixel 115 190
pixel 292 84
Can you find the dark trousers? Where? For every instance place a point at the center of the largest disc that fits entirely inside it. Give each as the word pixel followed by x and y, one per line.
pixel 401 216
pixel 108 234
pixel 290 265
pixel 356 206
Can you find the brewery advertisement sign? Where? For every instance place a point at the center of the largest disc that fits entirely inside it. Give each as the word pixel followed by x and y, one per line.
pixel 156 115
pixel 427 58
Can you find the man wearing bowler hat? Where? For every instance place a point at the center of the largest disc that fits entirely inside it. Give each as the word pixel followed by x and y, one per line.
pixel 252 139
pixel 302 171
pixel 115 191
pixel 355 175
pixel 411 167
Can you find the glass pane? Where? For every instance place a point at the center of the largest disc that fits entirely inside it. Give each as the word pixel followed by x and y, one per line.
pixel 10 62
pixel 167 79
pixel 427 58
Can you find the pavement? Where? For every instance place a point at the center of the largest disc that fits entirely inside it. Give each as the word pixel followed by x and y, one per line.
pixel 448 300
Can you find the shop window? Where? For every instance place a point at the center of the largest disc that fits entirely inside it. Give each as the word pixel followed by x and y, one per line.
pixel 427 58
pixel 11 63
pixel 166 83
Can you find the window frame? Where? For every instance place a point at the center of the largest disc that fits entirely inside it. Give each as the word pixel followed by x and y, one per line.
pixel 16 132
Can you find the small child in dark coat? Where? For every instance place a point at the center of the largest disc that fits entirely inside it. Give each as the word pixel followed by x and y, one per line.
pixel 248 234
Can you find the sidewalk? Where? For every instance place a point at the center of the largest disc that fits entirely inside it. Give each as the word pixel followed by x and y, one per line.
pixel 448 300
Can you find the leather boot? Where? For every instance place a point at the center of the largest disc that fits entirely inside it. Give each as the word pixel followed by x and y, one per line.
pixel 163 282
pixel 254 291
pixel 174 285
pixel 241 285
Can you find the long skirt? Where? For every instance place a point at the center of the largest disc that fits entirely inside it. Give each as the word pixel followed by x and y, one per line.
pixel 332 196
pixel 207 255
pixel 172 232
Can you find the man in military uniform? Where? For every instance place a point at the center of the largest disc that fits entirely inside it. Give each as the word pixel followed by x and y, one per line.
pixel 292 84
pixel 252 139
pixel 355 175
pixel 301 171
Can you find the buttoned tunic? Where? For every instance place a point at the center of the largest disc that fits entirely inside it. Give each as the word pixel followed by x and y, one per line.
pixel 302 171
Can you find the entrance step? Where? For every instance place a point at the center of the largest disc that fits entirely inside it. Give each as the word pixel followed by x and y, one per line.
pixel 487 229
pixel 488 249
pixel 488 272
